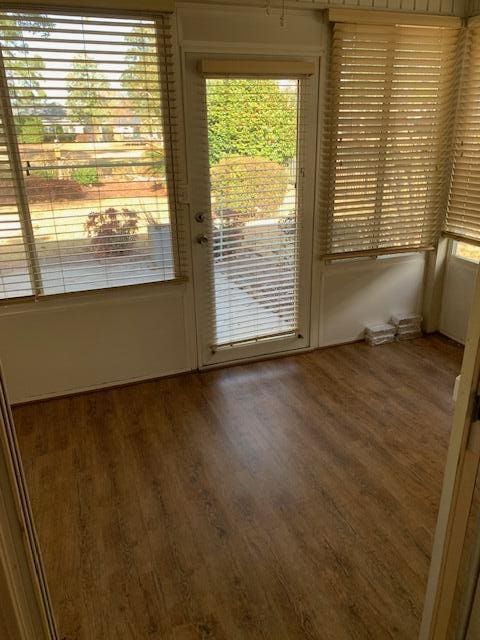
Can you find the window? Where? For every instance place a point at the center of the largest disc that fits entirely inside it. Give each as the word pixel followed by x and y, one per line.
pixel 463 214
pixel 86 161
pixel 466 251
pixel 387 137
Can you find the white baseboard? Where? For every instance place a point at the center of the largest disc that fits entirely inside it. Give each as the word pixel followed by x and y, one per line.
pixel 98 387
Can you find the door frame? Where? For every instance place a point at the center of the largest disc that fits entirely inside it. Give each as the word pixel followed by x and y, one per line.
pixel 458 487
pixel 27 612
pixel 200 202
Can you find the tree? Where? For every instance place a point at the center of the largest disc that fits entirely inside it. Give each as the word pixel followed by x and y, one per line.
pixel 24 73
pixel 140 78
pixel 88 96
pixel 251 118
pixel 23 69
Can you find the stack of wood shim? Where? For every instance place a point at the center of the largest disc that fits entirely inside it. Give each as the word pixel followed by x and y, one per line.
pixel 379 334
pixel 408 326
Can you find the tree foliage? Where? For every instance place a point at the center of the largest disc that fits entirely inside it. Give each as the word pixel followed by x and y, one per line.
pixel 24 69
pixel 88 96
pixel 86 176
pixel 248 188
pixel 29 129
pixel 251 118
pixel 140 78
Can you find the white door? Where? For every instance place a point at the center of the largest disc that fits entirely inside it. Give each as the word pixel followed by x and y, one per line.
pixel 251 140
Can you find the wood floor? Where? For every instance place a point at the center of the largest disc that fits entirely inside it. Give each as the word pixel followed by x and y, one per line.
pixel 289 499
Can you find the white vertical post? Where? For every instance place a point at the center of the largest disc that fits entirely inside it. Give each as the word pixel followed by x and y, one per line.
pixel 26 608
pixel 457 492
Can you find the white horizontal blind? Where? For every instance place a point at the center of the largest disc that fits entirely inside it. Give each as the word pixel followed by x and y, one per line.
pixel 463 214
pixel 93 109
pixel 14 270
pixel 389 117
pixel 255 151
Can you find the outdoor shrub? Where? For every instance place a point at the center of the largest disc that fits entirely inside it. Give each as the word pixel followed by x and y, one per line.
pixel 86 176
pixel 40 189
pixel 30 129
pixel 252 188
pixel 112 232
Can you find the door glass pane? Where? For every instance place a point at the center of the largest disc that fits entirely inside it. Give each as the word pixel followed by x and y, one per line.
pixel 87 104
pixel 252 136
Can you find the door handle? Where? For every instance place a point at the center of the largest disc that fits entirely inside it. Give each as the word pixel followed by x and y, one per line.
pixel 202 239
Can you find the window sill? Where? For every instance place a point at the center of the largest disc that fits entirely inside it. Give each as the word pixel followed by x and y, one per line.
pixel 140 290
pixel 366 261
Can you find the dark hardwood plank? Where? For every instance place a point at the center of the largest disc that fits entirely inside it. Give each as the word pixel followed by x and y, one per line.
pixel 286 499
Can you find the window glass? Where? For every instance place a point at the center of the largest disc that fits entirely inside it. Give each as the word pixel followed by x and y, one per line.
pixel 467 251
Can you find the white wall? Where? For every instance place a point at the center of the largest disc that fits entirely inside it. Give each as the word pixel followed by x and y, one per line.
pixel 447 7
pixel 367 291
pixel 63 345
pixel 219 27
pixel 457 297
